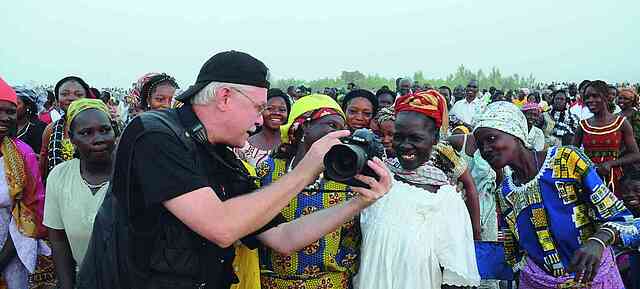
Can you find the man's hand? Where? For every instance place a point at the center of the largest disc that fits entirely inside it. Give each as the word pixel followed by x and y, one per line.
pixel 377 188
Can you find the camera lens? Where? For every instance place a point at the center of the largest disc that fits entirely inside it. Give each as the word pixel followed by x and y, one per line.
pixel 344 161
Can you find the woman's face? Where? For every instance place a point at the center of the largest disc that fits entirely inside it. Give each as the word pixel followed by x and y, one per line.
pixel 560 102
pixel 8 116
pixel 359 113
pixel 320 127
pixel 386 131
pixel 413 139
pixel 626 99
pixel 533 117
pixel 92 135
pixel 276 113
pixel 68 92
pixel 161 97
pixel 613 92
pixel 631 194
pixel 496 147
pixel 595 101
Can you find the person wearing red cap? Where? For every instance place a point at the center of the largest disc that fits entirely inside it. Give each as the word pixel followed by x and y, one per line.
pixel 21 200
pixel 180 198
pixel 408 240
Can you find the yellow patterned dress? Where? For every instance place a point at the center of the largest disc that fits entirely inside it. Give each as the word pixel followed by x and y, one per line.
pixel 245 264
pixel 332 261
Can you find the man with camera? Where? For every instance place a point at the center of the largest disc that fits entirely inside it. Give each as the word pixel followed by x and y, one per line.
pixel 179 198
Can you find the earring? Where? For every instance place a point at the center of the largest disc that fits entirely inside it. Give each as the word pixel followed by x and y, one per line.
pixel 302 139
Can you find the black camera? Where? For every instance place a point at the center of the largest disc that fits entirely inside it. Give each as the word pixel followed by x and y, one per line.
pixel 344 161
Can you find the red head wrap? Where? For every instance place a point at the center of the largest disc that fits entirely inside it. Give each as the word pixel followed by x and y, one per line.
pixel 7 93
pixel 430 103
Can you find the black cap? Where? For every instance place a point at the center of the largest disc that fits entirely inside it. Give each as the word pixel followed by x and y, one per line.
pixel 231 67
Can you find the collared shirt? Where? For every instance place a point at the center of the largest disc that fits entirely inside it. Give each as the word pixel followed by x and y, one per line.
pixel 466 111
pixel 536 138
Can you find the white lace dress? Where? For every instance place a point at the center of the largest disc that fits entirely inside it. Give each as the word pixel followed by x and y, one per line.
pixel 410 234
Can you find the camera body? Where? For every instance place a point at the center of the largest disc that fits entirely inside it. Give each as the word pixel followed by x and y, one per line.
pixel 344 161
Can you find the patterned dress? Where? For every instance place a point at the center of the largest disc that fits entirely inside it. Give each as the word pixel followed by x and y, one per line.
pixel 551 216
pixel 604 144
pixel 332 261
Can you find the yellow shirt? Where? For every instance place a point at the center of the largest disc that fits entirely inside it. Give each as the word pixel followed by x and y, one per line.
pixel 246 264
pixel 519 103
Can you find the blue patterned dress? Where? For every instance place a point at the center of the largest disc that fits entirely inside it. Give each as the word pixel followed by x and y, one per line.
pixel 551 216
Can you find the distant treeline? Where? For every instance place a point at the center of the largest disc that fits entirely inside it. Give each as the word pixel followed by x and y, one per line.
pixel 373 82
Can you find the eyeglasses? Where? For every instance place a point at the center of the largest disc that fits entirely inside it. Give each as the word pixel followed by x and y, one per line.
pixel 260 108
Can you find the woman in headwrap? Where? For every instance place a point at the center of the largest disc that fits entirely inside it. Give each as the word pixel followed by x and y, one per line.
pixel 76 188
pixel 331 261
pixel 558 210
pixel 360 106
pixel 21 200
pixel 152 91
pixel 443 156
pixel 606 138
pixel 56 147
pixel 408 240
pixel 260 145
pixel 628 101
pixel 30 128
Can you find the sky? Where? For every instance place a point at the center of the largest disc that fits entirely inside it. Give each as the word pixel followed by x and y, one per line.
pixel 112 43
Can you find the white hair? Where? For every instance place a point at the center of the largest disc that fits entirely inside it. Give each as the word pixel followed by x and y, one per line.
pixel 207 94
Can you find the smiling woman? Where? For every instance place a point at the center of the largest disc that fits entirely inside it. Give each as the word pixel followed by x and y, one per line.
pixel 544 200
pixel 21 199
pixel 360 107
pixel 76 188
pixel 408 231
pixel 606 138
pixel 56 147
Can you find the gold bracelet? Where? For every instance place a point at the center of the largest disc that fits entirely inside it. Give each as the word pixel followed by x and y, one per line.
pixel 610 231
pixel 604 246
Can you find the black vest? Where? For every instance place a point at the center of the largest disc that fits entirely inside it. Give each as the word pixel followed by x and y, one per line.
pixel 168 255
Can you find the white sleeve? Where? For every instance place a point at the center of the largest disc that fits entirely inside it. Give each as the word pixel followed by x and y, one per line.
pixel 455 248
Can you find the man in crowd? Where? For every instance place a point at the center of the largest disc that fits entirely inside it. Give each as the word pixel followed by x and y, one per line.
pixel 179 198
pixel 404 87
pixel 458 93
pixel 466 109
pixel 291 92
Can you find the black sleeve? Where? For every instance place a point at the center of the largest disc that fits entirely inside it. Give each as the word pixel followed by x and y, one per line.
pixel 252 242
pixel 164 169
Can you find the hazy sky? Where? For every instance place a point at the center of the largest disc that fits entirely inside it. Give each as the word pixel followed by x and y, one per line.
pixel 112 43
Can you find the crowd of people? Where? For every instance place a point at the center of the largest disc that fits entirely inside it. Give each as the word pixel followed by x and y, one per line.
pixel 223 185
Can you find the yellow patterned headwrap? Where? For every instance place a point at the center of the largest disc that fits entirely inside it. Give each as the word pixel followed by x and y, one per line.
pixel 83 104
pixel 304 105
